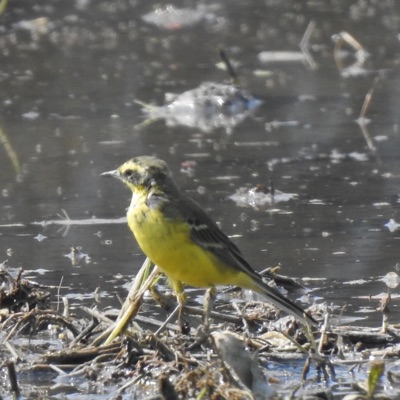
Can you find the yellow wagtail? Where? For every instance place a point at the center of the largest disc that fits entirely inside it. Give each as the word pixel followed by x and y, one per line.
pixel 180 238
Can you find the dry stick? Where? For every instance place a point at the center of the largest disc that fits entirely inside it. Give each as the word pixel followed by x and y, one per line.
pixel 213 314
pixel 80 355
pixel 66 307
pixel 12 375
pixel 368 97
pixel 231 71
pixel 3 137
pixel 323 330
pixel 162 347
pixel 12 350
pixel 306 369
pixel 361 119
pixel 233 319
pixel 57 369
pixel 384 307
pixel 133 381
pixel 244 321
pixel 94 323
pixel 132 300
pixel 97 314
pixel 46 367
pixel 172 315
pixel 318 357
pixel 305 45
pixel 9 320
pixel 132 304
pixel 345 37
pixel 295 342
pixel 57 319
pixel 138 282
pixel 366 337
pixel 103 336
pixel 15 328
pixel 58 293
pixel 154 322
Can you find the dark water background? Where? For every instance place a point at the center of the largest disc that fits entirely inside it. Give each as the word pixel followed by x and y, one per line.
pixel 70 73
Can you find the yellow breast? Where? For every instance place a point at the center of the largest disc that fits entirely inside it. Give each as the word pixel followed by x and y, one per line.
pixel 168 244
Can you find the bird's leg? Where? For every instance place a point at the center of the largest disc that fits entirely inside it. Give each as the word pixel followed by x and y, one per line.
pixel 209 298
pixel 203 331
pixel 181 297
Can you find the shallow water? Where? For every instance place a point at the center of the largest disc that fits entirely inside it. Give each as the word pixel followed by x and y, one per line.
pixel 70 74
pixel 68 86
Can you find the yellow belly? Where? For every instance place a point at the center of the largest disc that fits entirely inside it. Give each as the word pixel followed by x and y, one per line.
pixel 169 246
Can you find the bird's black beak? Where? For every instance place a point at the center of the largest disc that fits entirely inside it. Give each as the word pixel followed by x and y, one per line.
pixel 113 174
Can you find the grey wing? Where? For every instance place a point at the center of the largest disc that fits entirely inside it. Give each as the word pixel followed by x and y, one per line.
pixel 208 235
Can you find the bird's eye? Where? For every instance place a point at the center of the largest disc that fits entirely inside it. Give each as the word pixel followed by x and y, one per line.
pixel 128 173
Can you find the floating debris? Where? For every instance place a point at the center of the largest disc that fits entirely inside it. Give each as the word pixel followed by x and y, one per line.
pixel 392 280
pixel 171 18
pixel 303 55
pixel 392 225
pixel 40 237
pixel 359 54
pixel 31 115
pixel 12 155
pixel 280 56
pixel 259 196
pixel 357 156
pixel 269 126
pixel 37 27
pixel 207 107
pixel 64 223
pixel 76 255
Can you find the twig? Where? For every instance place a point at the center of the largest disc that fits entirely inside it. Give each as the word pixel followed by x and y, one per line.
pixel 95 313
pixel 244 321
pixel 133 381
pixel 323 330
pixel 12 375
pixel 161 346
pixel 214 314
pixel 85 332
pixel 362 121
pixel 359 52
pixel 231 71
pixel 57 369
pixel 3 137
pixel 81 355
pixel 132 304
pixel 305 46
pixel 166 322
pixel 66 307
pixel 368 97
pixel 58 293
pixel 12 350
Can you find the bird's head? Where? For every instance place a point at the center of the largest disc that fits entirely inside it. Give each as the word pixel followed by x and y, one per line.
pixel 142 174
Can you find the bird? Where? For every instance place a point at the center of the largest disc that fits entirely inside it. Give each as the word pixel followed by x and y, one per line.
pixel 178 236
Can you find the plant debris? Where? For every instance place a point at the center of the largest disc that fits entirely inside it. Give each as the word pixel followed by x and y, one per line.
pixel 237 355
